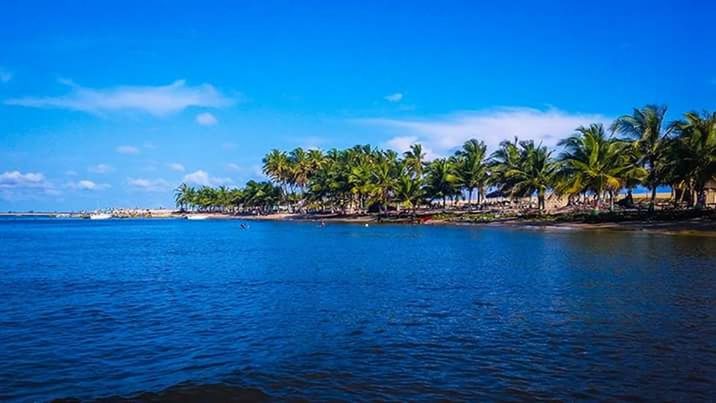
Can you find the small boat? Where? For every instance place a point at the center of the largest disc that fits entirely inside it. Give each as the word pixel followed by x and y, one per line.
pixel 100 216
pixel 197 217
pixel 62 215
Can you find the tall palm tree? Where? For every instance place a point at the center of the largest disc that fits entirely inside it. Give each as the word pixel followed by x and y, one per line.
pixel 277 166
pixel 262 196
pixel 414 160
pixel 472 168
pixel 593 162
pixel 315 160
pixel 409 189
pixel 525 169
pixel 183 196
pixel 693 152
pixel 501 160
pixel 383 181
pixel 649 135
pixel 442 179
pixel 360 183
pixel 222 199
pixel 300 167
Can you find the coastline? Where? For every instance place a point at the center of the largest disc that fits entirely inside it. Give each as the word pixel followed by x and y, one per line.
pixel 703 226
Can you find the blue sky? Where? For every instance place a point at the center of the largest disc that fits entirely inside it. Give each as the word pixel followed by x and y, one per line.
pixel 114 105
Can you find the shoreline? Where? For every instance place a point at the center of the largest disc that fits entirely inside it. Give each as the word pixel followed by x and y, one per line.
pixel 693 226
pixel 704 226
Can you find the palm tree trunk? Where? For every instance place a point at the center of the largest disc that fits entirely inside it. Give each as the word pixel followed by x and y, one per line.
pixel 540 200
pixel 611 200
pixel 701 197
pixel 652 204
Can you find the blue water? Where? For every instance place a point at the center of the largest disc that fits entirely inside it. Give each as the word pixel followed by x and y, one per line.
pixel 115 308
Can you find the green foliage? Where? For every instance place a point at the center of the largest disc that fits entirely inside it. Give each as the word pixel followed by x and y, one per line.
pixel 692 155
pixel 650 141
pixel 521 169
pixel 591 164
pixel 255 196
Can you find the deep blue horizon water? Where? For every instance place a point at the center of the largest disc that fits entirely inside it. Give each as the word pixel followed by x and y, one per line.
pixel 93 309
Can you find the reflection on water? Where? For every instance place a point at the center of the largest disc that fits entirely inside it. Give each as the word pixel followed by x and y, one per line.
pixel 174 309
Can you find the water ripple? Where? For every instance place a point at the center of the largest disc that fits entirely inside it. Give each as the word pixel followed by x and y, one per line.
pixel 172 310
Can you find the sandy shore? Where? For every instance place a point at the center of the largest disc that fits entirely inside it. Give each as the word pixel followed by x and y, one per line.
pixel 695 226
pixel 348 219
pixel 703 226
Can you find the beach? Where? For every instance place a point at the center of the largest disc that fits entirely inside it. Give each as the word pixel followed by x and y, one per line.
pixel 704 225
pixel 694 226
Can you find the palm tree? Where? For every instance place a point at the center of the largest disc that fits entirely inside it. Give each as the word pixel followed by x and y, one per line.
pixel 414 160
pixel 262 196
pixel 525 169
pixel 236 198
pixel 222 198
pixel 593 162
pixel 359 180
pixel 183 196
pixel 442 180
pixel 315 160
pixel 300 167
pixel 693 152
pixel 409 189
pixel 277 166
pixel 645 128
pixel 384 178
pixel 504 158
pixel 472 168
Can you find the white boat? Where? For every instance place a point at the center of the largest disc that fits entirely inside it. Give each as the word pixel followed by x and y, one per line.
pixel 197 217
pixel 100 216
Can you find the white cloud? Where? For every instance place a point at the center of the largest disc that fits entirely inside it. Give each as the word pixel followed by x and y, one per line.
pixel 397 97
pixel 155 100
pixel 206 119
pixel 5 76
pixel 175 166
pixel 443 134
pixel 87 185
pixel 127 150
pixel 403 143
pixel 233 167
pixel 311 142
pixel 17 179
pixel 15 185
pixel 150 185
pixel 100 169
pixel 202 178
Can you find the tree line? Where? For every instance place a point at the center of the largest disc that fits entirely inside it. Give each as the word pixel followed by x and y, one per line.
pixel 593 166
